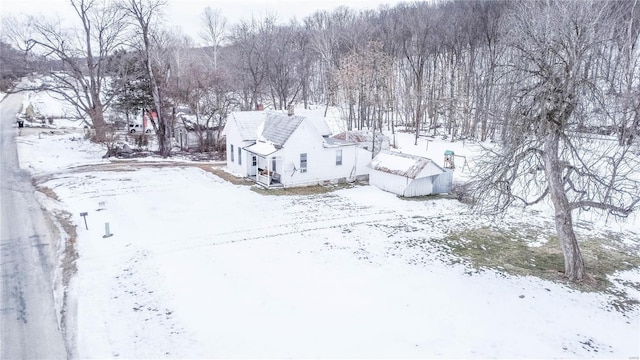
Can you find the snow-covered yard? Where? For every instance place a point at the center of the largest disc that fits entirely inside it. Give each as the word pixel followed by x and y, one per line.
pixel 199 267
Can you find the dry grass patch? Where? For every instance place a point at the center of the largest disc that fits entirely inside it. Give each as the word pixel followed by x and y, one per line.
pixel 509 251
pixel 48 192
pixel 304 190
pixel 224 175
pixel 70 251
pixel 429 197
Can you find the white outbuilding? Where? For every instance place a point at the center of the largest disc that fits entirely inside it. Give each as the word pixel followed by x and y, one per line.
pixel 408 175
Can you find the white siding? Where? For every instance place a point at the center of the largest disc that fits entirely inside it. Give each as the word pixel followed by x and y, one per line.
pixel 233 138
pixel 363 157
pixel 419 187
pixel 388 182
pixel 321 161
pixel 401 185
pixel 443 182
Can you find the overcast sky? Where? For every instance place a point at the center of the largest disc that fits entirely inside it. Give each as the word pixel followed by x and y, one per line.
pixel 185 14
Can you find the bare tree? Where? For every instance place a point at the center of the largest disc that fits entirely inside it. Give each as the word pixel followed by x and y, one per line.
pixel 249 47
pixel 215 27
pixel 331 35
pixel 544 156
pixel 364 79
pixel 13 66
pixel 323 36
pixel 83 56
pixel 214 106
pixel 143 13
pixel 284 68
pixel 624 84
pixel 416 36
pixel 489 16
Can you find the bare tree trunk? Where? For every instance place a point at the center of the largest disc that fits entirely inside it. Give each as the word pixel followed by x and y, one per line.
pixel 573 262
pixel 164 139
pixel 419 110
pixel 215 25
pixel 96 114
pixel 142 13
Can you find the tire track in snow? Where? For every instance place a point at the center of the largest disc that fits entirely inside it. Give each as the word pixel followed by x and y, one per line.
pixel 284 229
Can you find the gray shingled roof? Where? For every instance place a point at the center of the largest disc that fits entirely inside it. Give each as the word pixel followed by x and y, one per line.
pixel 279 127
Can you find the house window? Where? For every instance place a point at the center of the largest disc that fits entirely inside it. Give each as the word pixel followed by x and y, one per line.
pixel 339 157
pixel 239 156
pixel 303 162
pixel 231 152
pixel 254 161
pixel 273 164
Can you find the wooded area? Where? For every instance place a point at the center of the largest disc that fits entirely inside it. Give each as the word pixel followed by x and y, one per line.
pixel 448 67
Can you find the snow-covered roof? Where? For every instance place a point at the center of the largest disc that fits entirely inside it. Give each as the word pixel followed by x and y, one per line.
pixel 315 117
pixel 410 166
pixel 272 126
pixel 320 125
pixel 279 127
pixel 261 148
pixel 247 123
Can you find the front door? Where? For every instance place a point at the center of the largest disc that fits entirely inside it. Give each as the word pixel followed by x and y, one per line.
pixel 253 165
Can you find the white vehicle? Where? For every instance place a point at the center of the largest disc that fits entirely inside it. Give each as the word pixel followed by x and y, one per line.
pixel 133 128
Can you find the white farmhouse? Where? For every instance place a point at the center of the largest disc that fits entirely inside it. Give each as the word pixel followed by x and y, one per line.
pixel 408 175
pixel 280 150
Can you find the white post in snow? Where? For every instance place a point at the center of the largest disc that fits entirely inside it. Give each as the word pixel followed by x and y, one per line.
pixel 107 233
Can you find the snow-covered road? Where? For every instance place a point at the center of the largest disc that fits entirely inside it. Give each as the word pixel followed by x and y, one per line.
pixel 29 325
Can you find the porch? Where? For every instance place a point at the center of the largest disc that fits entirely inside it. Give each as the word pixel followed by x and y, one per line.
pixel 267 180
pixel 263 165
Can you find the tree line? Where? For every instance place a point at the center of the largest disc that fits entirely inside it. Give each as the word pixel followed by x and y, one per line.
pixel 436 67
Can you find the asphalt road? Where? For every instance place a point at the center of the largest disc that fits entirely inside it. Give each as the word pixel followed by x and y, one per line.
pixel 29 328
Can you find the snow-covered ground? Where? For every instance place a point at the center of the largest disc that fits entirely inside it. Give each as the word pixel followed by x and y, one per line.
pixel 199 267
pixel 46 103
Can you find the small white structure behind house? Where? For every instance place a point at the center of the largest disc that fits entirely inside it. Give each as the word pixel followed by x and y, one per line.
pixel 408 175
pixel 280 150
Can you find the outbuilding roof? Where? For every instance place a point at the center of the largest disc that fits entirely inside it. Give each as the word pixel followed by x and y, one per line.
pixel 410 166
